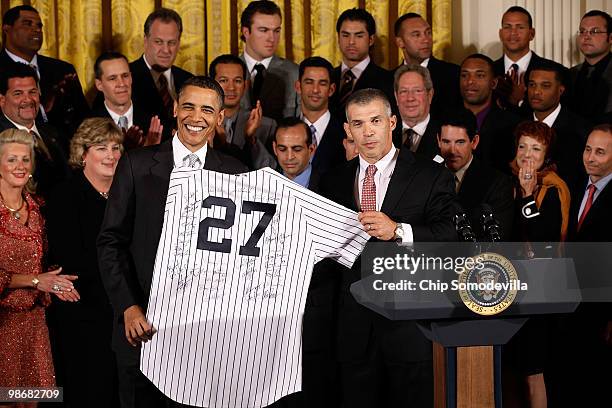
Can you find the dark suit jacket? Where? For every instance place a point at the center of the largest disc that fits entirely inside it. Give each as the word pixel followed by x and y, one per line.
pixel 330 152
pixel 278 96
pixel 496 147
pixel 572 132
pixel 141 118
pixel 595 102
pixel 48 173
pixel 428 145
pixel 597 225
pixel 132 225
pixel 484 185
pixel 68 110
pixel 445 78
pixel 372 77
pixel 146 96
pixel 420 193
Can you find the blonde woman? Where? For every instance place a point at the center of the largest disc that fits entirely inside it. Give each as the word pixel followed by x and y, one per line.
pixel 25 355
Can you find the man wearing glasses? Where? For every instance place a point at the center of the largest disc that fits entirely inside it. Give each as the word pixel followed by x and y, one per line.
pixel 592 80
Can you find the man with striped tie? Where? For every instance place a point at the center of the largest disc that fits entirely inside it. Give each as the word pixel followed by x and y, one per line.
pixel 133 223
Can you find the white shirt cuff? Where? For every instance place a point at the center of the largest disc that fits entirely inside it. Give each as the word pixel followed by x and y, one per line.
pixel 408 236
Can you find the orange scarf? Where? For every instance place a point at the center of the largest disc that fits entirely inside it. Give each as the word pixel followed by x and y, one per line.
pixel 550 179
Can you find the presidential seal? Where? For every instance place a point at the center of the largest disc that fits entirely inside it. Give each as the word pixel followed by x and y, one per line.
pixel 490 287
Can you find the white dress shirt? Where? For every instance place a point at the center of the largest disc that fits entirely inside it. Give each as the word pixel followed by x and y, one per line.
pixel 251 62
pixel 550 119
pixel 522 63
pixel 320 125
pixel 357 69
pixel 179 152
pixel 384 171
pixel 129 115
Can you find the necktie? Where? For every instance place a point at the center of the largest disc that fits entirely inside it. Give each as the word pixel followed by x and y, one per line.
pixel 515 68
pixel 123 122
pixel 40 146
pixel 409 137
pixel 368 191
pixel 587 205
pixel 192 160
pixel 42 109
pixel 457 184
pixel 346 85
pixel 229 130
pixel 258 83
pixel 313 131
pixel 164 92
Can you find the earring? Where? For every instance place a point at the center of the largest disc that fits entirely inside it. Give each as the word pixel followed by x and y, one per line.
pixel 30 176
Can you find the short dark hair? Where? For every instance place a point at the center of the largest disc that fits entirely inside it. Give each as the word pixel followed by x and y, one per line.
pixel 397 27
pixel 166 15
pixel 106 56
pixel 318 62
pixel 12 14
pixel 549 66
pixel 15 70
pixel 290 122
pixel 357 14
pixel 602 14
pixel 204 82
pixel 519 9
pixel 260 6
pixel 226 59
pixel 462 118
pixel 365 96
pixel 484 58
pixel 603 127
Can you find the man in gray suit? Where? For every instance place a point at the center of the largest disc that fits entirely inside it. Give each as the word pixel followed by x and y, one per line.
pixel 246 129
pixel 592 80
pixel 271 77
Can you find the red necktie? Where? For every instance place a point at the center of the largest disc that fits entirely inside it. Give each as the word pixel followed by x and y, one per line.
pixel 368 192
pixel 588 204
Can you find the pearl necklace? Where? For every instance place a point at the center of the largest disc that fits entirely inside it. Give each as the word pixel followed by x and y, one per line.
pixel 14 212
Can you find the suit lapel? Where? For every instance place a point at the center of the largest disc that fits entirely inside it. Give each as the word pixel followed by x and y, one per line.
pixel 400 181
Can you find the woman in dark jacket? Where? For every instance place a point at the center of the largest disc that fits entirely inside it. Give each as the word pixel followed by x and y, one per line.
pixel 542 215
pixel 81 332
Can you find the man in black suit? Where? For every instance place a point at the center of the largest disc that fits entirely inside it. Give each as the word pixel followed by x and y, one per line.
pixel 544 93
pixel 20 103
pixel 591 81
pixel 62 102
pixel 245 132
pixel 403 197
pixel 133 221
pixel 589 334
pixel 413 36
pixel 476 183
pixel 314 87
pixel 155 80
pixel 271 77
pixel 114 80
pixel 356 29
pixel 514 66
pixel 414 92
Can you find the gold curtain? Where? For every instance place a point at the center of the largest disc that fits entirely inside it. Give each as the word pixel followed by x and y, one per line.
pixel 78 30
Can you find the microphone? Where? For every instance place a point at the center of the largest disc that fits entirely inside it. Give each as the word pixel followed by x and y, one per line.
pixel 462 225
pixel 490 224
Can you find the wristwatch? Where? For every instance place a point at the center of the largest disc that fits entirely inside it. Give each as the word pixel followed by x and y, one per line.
pixel 399 232
pixel 35 282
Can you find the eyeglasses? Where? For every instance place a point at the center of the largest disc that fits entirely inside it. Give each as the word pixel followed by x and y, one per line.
pixel 591 32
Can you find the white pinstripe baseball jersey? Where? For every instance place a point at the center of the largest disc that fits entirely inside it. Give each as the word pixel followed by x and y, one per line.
pixel 230 281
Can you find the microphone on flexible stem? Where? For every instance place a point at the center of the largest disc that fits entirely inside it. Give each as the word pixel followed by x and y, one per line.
pixel 490 225
pixel 462 225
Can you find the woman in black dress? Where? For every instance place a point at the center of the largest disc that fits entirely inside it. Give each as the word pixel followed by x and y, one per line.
pixel 81 332
pixel 542 214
